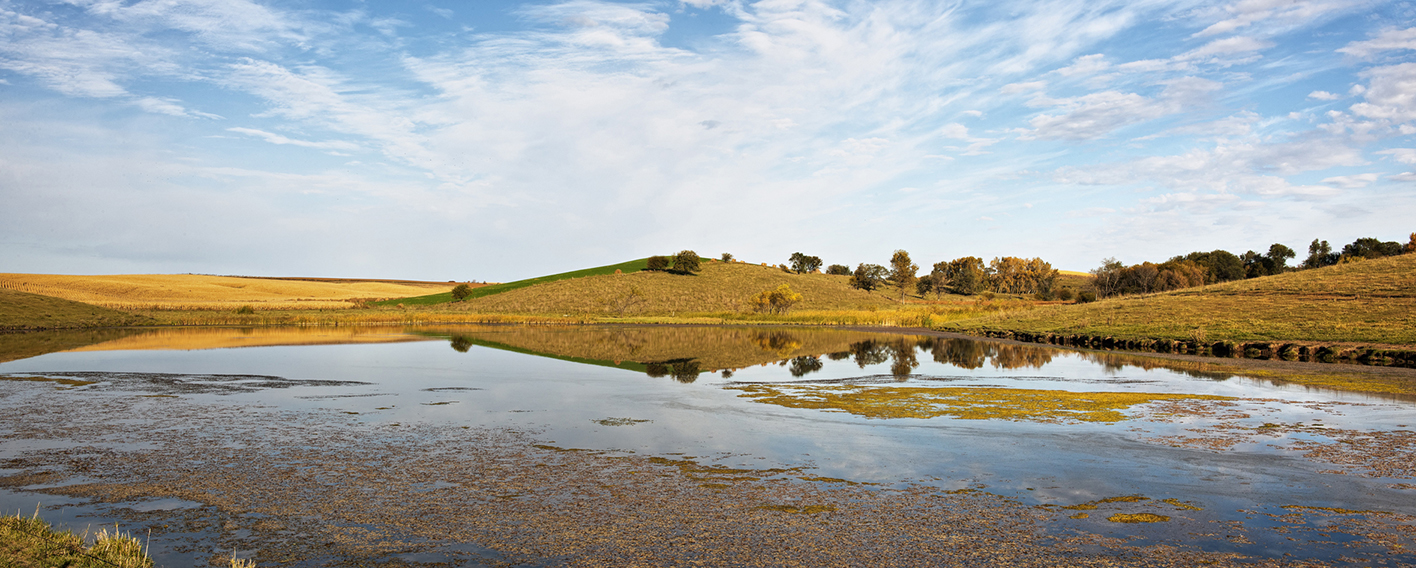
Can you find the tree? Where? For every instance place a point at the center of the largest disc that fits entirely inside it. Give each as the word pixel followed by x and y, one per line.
pixel 686 262
pixel 624 302
pixel 461 292
pixel 727 257
pixel 1319 255
pixel 1278 256
pixel 802 264
pixel 779 301
pixel 658 263
pixel 838 270
pixel 902 272
pixel 926 284
pixel 1410 246
pixel 868 276
pixel 1106 279
pixel 1219 265
pixel 1368 247
pixel 966 275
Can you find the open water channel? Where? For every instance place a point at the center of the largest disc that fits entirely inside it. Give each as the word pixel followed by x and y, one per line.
pixel 514 445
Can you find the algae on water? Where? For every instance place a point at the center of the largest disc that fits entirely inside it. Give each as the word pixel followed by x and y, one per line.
pixel 969 403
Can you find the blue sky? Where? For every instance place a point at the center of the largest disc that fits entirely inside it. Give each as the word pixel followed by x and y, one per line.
pixel 502 140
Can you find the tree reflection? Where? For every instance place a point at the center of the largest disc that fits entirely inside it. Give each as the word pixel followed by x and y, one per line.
pixel 807 364
pixel 461 343
pixel 779 342
pixel 971 354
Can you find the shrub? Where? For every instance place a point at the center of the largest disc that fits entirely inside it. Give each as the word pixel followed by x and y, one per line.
pixel 727 257
pixel 658 263
pixel 838 270
pixel 1086 296
pixel 245 310
pixel 686 262
pixel 461 292
pixel 1065 294
pixel 779 301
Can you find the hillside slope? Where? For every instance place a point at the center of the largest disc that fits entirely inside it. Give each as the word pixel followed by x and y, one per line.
pixel 1372 301
pixel 719 287
pixel 25 311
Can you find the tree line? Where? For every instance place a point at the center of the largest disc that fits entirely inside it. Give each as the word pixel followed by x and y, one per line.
pixel 1200 268
pixel 966 276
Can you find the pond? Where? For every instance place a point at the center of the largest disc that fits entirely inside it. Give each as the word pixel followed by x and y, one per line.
pixel 660 445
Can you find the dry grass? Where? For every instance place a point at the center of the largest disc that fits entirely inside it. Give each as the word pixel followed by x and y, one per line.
pixel 190 338
pixel 719 288
pixel 136 292
pixel 29 542
pixel 1373 302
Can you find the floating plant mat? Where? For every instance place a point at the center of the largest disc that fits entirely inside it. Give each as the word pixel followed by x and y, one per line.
pixel 982 403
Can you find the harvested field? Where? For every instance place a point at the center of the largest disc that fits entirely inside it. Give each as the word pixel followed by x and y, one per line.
pixel 132 292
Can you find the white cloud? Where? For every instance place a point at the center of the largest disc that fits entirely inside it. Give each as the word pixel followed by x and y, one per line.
pixel 1086 65
pixel 1403 155
pixel 1013 88
pixel 1391 94
pixel 1226 46
pixel 1357 181
pixel 1387 41
pixel 282 140
pixel 1279 13
pixel 1323 96
pixel 1098 114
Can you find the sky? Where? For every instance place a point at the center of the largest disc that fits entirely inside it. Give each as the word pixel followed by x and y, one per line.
pixel 493 141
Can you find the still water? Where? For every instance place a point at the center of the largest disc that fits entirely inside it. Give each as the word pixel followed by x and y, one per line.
pixel 1063 430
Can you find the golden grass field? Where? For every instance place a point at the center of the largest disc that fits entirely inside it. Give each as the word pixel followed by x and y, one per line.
pixel 143 292
pixel 1371 301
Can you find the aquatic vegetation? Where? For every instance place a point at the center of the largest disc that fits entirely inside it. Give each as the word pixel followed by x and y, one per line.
pixel 807 510
pixel 1137 518
pixel 620 421
pixel 1181 504
pixel 967 403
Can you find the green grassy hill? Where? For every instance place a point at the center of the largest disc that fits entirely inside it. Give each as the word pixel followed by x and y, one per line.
pixel 25 311
pixel 1372 301
pixel 719 287
pixel 482 291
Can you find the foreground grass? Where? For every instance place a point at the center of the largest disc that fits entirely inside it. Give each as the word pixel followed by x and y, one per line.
pixel 24 311
pixel 1372 301
pixel 29 542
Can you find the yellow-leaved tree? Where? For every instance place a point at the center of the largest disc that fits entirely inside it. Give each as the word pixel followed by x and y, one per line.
pixel 778 301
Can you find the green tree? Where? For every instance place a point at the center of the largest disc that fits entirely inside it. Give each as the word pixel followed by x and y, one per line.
pixel 1219 265
pixel 838 270
pixel 1368 247
pixel 686 262
pixel 801 263
pixel 1319 255
pixel 461 292
pixel 967 275
pixel 902 272
pixel 657 263
pixel 727 257
pixel 868 276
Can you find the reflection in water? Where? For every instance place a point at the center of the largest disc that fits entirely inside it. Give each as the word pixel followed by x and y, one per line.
pixel 806 364
pixel 779 342
pixel 969 354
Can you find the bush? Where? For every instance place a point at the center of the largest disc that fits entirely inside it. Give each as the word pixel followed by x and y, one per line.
pixel 727 257
pixel 461 292
pixel 245 310
pixel 658 263
pixel 1086 296
pixel 1065 294
pixel 686 262
pixel 779 301
pixel 838 270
